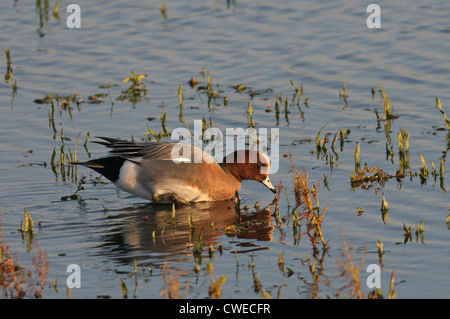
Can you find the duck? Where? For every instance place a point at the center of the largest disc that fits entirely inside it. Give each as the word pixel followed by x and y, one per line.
pixel 176 172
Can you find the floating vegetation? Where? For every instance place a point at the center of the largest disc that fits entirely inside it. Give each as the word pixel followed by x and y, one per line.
pixel 124 289
pixel 27 225
pixel 439 107
pixel 43 8
pixel 158 136
pixel 441 175
pixel 423 172
pixel 388 111
pixel 136 91
pixel 215 289
pixel 403 149
pixel 96 98
pixel 250 122
pixel 75 195
pixel 360 211
pixel 321 144
pixel 418 231
pixel 343 95
pixel 357 160
pixel 56 10
pixel 384 210
pixel 368 177
pixel 180 95
pixel 403 141
pixel 9 70
pixel 64 163
pixel 380 252
pixel 240 87
pixel 163 11
pixel 9 75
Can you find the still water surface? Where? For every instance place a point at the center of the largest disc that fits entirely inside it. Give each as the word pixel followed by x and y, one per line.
pixel 263 45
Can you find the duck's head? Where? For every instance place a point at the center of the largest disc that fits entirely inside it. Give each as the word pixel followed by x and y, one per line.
pixel 249 165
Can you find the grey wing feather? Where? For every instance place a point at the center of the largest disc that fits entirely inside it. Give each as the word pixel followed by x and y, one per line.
pixel 141 150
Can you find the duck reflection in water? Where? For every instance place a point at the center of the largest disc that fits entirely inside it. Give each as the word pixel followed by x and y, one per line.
pixel 156 230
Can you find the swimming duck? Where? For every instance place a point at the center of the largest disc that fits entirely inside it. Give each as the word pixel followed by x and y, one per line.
pixel 176 172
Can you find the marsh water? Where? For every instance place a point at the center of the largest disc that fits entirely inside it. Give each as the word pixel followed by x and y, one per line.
pixel 263 45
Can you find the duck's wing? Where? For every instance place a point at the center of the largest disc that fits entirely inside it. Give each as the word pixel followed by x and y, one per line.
pixel 137 151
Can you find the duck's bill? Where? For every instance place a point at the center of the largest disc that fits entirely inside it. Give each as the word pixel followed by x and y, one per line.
pixel 268 184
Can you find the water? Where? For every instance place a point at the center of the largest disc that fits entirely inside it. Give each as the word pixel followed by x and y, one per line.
pixel 263 45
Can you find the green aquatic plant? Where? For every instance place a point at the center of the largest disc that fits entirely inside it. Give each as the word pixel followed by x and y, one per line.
pixel 439 107
pixel 27 225
pixel 441 175
pixel 277 111
pixel 163 11
pixel 384 210
pixel 380 252
pixel 191 222
pixel 388 113
pixel 9 70
pixel 215 289
pixel 319 142
pixel 136 81
pixel 403 141
pixel 249 112
pixel 180 95
pixel 124 289
pixel 343 95
pixel 297 89
pixel 333 143
pixel 403 147
pixel 418 231
pixel 9 75
pixel 357 160
pixel 240 87
pixel 158 136
pixel 137 89
pixel 163 123
pixel 56 10
pixel 423 172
